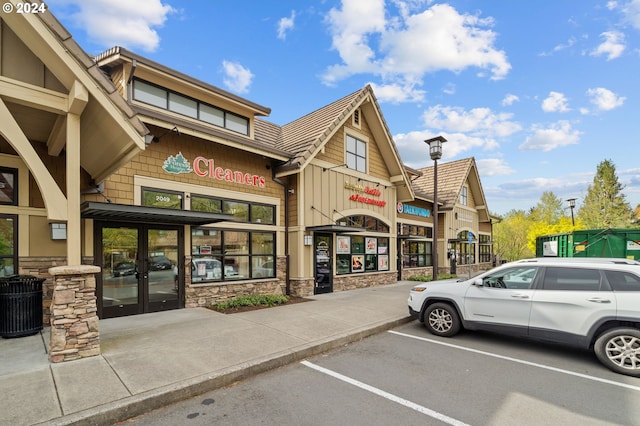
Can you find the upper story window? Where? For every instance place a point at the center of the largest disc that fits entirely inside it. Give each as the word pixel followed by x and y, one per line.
pixel 175 102
pixel 464 197
pixel 8 186
pixel 356 154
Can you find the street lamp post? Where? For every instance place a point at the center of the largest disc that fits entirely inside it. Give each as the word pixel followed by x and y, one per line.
pixel 572 205
pixel 435 151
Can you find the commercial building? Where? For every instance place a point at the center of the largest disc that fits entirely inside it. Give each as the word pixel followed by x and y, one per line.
pixel 180 194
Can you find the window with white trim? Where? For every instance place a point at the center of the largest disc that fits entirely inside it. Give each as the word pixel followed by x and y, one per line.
pixel 356 154
pixel 464 198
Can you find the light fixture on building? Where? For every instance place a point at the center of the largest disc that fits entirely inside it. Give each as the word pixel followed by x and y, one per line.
pixel 572 205
pixel 435 151
pixel 58 231
pixel 308 240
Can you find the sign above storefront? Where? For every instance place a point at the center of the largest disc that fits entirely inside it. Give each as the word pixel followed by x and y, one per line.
pixel 413 210
pixel 375 192
pixel 205 167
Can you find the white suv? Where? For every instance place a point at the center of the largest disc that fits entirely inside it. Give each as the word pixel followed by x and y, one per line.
pixel 590 303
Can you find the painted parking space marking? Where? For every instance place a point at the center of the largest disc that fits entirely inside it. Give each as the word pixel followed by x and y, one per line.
pixel 419 408
pixel 520 361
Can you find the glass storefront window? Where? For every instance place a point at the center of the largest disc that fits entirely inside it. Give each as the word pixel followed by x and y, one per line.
pixel 359 254
pixel 232 255
pixel 262 214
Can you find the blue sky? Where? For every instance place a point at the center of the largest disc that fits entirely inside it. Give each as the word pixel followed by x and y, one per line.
pixel 538 92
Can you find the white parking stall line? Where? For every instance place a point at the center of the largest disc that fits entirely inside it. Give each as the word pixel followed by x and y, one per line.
pixel 391 397
pixel 520 361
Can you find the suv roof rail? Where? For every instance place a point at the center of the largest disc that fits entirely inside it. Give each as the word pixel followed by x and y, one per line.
pixel 612 260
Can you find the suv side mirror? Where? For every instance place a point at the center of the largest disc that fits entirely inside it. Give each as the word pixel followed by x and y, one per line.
pixel 478 282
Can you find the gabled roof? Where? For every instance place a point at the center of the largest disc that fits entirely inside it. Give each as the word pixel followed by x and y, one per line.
pixel 451 178
pixel 306 136
pixel 121 133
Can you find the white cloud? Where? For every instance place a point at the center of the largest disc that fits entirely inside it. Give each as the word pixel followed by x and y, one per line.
pixel 510 99
pixel 404 48
pixel 395 93
pixel 494 167
pixel 605 99
pixel 237 78
pixel 555 102
pixel 612 47
pixel 630 10
pixel 286 24
pixel 477 121
pixel 415 152
pixel 126 23
pixel 557 135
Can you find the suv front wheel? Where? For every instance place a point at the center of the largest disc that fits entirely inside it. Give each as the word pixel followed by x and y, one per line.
pixel 442 319
pixel 619 350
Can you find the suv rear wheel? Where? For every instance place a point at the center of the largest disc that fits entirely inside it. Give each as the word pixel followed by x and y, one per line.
pixel 442 319
pixel 619 350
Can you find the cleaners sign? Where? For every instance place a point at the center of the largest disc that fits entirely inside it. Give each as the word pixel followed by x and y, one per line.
pixel 205 167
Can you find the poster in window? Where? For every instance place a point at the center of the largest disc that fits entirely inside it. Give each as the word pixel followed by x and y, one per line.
pixel 344 244
pixel 371 245
pixel 357 263
pixel 205 249
pixel 383 263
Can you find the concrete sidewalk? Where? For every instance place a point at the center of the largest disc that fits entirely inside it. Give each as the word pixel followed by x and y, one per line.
pixel 151 360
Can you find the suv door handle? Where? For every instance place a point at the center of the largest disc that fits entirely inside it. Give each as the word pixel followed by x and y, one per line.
pixel 520 296
pixel 599 300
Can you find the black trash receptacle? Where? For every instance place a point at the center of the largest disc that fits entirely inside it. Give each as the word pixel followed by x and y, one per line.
pixel 20 305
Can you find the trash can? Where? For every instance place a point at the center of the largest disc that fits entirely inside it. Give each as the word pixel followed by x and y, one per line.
pixel 20 305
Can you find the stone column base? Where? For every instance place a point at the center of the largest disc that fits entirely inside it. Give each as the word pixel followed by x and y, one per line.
pixel 74 313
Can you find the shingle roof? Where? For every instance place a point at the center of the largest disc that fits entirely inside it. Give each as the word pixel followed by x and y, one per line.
pixel 451 178
pixel 305 135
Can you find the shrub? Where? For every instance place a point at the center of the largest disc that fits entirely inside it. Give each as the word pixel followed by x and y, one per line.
pixel 428 277
pixel 253 300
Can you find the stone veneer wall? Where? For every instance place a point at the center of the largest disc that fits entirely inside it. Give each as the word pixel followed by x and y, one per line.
pixel 74 313
pixel 348 282
pixel 202 295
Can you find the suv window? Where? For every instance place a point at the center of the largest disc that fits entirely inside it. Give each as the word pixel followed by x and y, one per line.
pixel 575 279
pixel 516 278
pixel 623 281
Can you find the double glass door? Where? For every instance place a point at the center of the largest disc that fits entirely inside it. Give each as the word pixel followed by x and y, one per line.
pixel 141 268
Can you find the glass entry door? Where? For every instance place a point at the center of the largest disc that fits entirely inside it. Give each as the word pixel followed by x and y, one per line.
pixel 323 264
pixel 140 268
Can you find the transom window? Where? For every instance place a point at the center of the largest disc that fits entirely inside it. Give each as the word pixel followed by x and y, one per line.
pixel 356 154
pixel 172 101
pixel 369 223
pixel 241 210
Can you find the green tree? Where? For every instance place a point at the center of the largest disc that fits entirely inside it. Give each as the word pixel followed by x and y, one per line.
pixel 548 210
pixel 510 236
pixel 605 206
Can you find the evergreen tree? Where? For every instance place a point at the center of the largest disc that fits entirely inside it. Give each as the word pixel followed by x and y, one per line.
pixel 548 210
pixel 605 205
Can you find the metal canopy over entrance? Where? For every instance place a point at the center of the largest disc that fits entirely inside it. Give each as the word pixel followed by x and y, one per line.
pixel 129 213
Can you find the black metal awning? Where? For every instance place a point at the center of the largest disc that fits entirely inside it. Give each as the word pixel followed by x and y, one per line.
pixel 338 229
pixel 125 212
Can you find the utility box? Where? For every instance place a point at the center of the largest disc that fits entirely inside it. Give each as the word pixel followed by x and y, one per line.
pixel 610 242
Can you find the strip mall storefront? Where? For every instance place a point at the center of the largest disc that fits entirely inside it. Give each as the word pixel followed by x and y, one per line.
pixel 181 193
